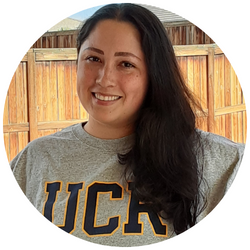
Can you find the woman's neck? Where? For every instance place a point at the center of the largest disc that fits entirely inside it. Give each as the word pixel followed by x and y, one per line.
pixel 104 131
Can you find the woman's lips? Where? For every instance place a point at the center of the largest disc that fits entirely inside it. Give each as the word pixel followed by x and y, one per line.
pixel 106 97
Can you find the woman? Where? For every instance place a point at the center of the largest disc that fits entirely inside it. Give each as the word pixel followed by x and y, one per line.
pixel 138 172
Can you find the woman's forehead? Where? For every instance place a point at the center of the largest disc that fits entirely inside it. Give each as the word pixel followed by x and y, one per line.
pixel 116 28
pixel 116 35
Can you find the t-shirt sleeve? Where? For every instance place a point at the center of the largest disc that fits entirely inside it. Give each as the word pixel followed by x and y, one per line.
pixel 221 161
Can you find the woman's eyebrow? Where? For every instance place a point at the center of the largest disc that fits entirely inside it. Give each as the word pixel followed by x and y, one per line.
pixel 95 50
pixel 126 54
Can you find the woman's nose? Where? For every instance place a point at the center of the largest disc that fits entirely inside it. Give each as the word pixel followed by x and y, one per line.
pixel 106 77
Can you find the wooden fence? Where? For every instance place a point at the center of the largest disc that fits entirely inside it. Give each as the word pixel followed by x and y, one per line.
pixel 42 96
pixel 180 33
pixel 186 34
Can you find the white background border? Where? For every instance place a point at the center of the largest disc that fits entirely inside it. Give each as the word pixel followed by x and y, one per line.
pixel 23 22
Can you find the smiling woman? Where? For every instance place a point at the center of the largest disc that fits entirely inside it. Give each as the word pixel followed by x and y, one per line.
pixel 111 75
pixel 139 171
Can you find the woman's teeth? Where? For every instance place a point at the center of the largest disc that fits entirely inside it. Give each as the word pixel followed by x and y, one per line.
pixel 106 98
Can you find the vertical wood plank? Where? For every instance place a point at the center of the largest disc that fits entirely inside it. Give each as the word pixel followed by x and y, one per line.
pixel 61 41
pixel 6 111
pixel 211 89
pixel 48 98
pixel 191 37
pixel 188 29
pixel 228 122
pixel 197 83
pixel 221 93
pixel 244 121
pixel 68 90
pixel 203 82
pixel 184 67
pixel 76 103
pixel 25 139
pixel 56 41
pixel 20 94
pixel 240 127
pixel 32 96
pixel 190 71
pixel 206 39
pixel 25 86
pixel 240 114
pixel 170 35
pixel 177 35
pixel 195 35
pixel 216 94
pixel 38 43
pixel 53 92
pixel 61 91
pixel 20 97
pixel 13 145
pixel 75 39
pixel 216 83
pixel 244 126
pixel 234 102
pixel 182 35
pixel 53 42
pixel 7 145
pixel 12 101
pixel 46 91
pixel 184 38
pixel 221 81
pixel 21 141
pixel 174 36
pixel 39 90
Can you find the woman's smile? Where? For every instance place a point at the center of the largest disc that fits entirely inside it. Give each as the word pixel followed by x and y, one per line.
pixel 105 97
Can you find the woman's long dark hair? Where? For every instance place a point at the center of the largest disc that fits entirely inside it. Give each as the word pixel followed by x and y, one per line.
pixel 162 162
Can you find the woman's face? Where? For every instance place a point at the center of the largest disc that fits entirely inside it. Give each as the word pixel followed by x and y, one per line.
pixel 112 74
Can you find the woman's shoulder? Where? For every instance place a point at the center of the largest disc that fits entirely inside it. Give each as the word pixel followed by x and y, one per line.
pixel 218 154
pixel 49 144
pixel 218 144
pixel 220 158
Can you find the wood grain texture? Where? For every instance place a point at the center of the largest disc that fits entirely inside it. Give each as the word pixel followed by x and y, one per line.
pixel 32 109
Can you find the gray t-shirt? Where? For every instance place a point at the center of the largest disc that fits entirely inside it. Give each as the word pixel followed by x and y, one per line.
pixel 76 182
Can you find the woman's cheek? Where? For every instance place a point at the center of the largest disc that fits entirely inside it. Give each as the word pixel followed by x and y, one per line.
pixel 83 76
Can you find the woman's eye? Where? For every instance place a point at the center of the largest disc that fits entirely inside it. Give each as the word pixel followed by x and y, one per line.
pixel 93 59
pixel 127 65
